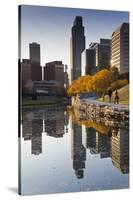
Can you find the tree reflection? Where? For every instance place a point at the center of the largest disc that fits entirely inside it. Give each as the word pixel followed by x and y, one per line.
pixel 107 141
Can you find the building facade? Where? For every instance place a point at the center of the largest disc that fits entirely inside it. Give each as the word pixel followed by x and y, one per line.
pixel 31 68
pixel 25 70
pixel 54 71
pixel 103 54
pixel 96 57
pixel 36 72
pixel 88 62
pixel 46 87
pixel 30 71
pixel 77 45
pixel 34 51
pixel 120 48
pixel 66 79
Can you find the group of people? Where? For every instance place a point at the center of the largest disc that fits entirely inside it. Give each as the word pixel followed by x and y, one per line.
pixel 116 97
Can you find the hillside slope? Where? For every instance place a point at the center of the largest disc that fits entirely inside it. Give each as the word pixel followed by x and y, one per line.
pixel 123 94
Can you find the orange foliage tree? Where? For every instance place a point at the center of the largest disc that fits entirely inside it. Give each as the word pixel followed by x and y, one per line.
pixel 101 81
pixel 81 85
pixel 98 83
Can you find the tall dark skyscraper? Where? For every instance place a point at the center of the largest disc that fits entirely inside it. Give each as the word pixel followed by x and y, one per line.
pixel 36 69
pixel 34 52
pixel 77 46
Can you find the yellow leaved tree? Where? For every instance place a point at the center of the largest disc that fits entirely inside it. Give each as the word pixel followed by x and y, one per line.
pixel 101 81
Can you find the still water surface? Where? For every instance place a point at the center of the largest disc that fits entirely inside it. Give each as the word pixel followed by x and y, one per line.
pixel 62 154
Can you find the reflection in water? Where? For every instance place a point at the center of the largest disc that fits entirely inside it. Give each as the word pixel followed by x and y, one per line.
pixel 32 130
pixel 91 142
pixel 34 122
pixel 54 123
pixel 78 151
pixel 98 143
pixel 120 150
pixel 37 127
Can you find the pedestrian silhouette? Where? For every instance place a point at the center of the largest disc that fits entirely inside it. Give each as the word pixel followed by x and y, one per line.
pixel 110 94
pixel 117 97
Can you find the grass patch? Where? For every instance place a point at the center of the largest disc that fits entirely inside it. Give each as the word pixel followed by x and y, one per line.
pixel 26 102
pixel 123 94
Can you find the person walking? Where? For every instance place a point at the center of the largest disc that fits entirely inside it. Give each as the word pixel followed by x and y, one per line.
pixel 117 97
pixel 110 94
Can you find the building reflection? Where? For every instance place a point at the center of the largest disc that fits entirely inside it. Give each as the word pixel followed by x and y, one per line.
pixel 98 143
pixel 113 144
pixel 32 130
pixel 36 141
pixel 102 145
pixel 91 139
pixel 120 150
pixel 52 122
pixel 78 151
pixel 27 125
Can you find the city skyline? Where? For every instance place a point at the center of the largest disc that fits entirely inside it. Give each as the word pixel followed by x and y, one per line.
pixel 44 28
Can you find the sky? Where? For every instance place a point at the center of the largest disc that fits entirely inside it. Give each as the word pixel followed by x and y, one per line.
pixel 51 28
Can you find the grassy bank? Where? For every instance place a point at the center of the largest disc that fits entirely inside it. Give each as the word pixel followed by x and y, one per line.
pixel 27 102
pixel 123 94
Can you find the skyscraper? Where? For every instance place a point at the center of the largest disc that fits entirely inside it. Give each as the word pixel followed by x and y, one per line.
pixel 36 69
pixel 120 48
pixel 77 43
pixel 34 52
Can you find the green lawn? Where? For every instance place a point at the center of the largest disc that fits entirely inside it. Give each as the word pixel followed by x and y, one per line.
pixel 123 94
pixel 26 102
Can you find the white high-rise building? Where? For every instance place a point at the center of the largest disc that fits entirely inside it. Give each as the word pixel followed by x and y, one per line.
pixel 120 48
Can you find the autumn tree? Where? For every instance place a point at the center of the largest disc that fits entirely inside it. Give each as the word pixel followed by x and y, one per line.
pixel 98 83
pixel 101 81
pixel 114 73
pixel 81 85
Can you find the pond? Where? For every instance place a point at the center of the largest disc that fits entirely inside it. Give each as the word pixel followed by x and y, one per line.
pixel 61 153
